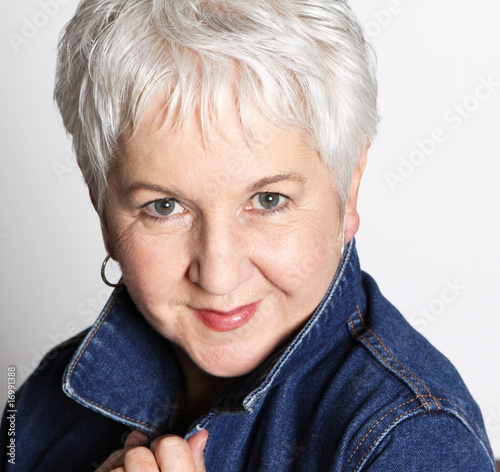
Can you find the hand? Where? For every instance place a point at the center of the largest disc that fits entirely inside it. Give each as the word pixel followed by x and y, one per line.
pixel 167 453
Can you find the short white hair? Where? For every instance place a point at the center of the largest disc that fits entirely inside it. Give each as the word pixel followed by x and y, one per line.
pixel 303 63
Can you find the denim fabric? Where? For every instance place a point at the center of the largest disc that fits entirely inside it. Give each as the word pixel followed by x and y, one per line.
pixel 357 390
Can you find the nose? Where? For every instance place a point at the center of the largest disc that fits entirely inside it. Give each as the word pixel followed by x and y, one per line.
pixel 221 259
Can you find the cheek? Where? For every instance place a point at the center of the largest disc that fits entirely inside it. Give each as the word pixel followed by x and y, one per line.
pixel 153 266
pixel 303 258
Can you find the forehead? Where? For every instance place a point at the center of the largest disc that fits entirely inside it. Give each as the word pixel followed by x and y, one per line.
pixel 164 146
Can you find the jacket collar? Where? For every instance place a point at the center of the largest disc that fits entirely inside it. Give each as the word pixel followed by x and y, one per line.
pixel 127 371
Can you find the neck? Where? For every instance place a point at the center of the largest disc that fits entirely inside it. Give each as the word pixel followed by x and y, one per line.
pixel 198 390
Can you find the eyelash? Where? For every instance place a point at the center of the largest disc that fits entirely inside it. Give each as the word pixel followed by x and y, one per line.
pixel 273 211
pixel 263 212
pixel 270 212
pixel 159 219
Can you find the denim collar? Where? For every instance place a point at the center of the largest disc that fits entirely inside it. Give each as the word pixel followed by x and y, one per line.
pixel 125 370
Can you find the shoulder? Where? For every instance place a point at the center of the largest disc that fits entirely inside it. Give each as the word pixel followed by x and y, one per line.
pixel 423 443
pixel 426 441
pixel 403 434
pixel 417 400
pixel 51 430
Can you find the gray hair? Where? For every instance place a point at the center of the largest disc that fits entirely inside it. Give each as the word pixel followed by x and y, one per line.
pixel 303 63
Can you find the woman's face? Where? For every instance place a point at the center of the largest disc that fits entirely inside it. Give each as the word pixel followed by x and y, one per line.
pixel 226 249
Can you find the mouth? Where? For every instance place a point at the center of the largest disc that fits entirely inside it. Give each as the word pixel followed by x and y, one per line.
pixel 227 321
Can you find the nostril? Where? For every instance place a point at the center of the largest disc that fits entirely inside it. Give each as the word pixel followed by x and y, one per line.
pixel 220 258
pixel 220 275
pixel 193 272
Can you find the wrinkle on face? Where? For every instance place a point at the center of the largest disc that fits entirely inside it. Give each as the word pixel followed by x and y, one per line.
pixel 221 252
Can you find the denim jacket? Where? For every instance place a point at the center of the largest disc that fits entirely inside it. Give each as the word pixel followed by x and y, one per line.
pixel 356 390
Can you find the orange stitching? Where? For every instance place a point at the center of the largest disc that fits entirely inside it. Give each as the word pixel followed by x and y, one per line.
pixel 382 433
pixel 78 359
pixel 386 350
pixel 434 398
pixel 451 401
pixel 352 326
pixel 387 362
pixel 400 373
pixel 123 416
pixel 442 399
pixel 90 339
pixel 373 427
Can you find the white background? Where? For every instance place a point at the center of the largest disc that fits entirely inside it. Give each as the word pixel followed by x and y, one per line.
pixel 436 225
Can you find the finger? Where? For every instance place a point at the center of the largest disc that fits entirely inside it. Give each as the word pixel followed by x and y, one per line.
pixel 113 463
pixel 140 459
pixel 173 454
pixel 197 444
pixel 136 438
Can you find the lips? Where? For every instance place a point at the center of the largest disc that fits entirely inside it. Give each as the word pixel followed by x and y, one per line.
pixel 227 321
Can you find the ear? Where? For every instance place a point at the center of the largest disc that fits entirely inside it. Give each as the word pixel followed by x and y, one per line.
pixel 352 217
pixel 104 227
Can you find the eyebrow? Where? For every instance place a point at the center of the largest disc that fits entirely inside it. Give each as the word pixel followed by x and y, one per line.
pixel 259 184
pixel 147 186
pixel 290 177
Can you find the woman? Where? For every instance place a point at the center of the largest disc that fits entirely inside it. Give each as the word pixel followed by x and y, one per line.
pixel 223 144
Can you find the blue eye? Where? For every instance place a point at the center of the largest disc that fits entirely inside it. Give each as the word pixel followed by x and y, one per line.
pixel 165 207
pixel 268 201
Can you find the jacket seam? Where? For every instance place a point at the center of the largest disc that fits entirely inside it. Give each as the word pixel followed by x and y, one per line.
pixel 464 416
pixel 215 418
pixel 375 442
pixel 383 433
pixel 466 420
pixel 373 427
pixel 435 399
pixel 387 362
pixel 213 426
pixel 78 360
pixel 397 361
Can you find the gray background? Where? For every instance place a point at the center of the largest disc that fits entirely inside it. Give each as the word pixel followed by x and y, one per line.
pixel 438 225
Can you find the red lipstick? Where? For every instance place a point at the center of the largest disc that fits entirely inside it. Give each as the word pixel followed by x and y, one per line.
pixel 227 321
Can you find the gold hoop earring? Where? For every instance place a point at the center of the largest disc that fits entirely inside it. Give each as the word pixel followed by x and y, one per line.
pixel 103 274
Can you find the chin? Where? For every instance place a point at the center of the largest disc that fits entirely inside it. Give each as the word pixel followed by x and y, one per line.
pixel 231 362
